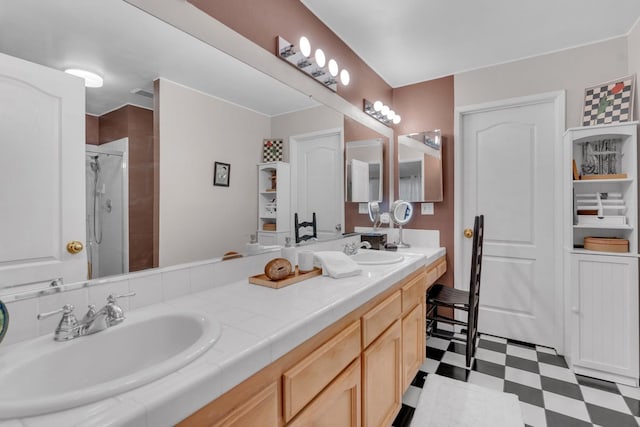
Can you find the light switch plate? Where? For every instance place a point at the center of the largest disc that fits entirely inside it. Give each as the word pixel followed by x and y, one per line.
pixel 363 208
pixel 426 208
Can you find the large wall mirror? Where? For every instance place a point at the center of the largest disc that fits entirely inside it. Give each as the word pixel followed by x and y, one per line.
pixel 212 107
pixel 364 170
pixel 419 171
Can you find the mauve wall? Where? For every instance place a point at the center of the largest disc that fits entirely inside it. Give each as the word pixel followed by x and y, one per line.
pixel 136 124
pixel 427 106
pixel 262 21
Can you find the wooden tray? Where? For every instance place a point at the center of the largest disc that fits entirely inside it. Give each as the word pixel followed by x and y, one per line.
pixel 604 244
pixel 263 280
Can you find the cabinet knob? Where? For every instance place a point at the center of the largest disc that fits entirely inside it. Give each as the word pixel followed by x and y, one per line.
pixel 468 233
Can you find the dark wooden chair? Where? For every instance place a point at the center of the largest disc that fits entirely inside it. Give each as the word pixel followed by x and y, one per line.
pixel 468 301
pixel 300 225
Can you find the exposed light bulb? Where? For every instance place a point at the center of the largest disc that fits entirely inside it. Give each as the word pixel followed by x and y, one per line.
pixel 377 106
pixel 321 60
pixel 333 67
pixel 385 110
pixel 344 77
pixel 305 46
pixel 391 114
pixel 396 119
pixel 90 79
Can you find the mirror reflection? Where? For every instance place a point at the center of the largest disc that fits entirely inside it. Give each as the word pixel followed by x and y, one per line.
pixel 364 170
pixel 419 172
pixel 170 107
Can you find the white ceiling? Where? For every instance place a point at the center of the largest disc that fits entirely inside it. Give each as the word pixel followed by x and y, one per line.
pixel 130 49
pixel 410 41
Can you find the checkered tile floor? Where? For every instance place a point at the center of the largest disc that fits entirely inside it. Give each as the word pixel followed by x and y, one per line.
pixel 550 394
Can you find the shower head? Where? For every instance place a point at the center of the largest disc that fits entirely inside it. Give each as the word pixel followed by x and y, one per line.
pixel 95 164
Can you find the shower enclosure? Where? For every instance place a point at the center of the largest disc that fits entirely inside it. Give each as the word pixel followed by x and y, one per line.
pixel 107 209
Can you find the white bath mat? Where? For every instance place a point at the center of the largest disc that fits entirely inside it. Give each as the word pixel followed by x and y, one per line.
pixel 445 402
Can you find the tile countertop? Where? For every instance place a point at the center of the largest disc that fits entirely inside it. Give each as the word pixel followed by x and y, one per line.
pixel 259 325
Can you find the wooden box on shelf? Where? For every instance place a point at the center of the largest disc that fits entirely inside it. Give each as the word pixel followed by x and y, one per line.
pixel 604 244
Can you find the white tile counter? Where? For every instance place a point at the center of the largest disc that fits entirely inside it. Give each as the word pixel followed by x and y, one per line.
pixel 260 325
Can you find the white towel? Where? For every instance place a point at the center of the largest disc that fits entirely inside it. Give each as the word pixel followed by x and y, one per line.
pixel 337 265
pixel 445 402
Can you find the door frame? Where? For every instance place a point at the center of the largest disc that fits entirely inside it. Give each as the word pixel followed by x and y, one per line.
pixel 294 140
pixel 558 100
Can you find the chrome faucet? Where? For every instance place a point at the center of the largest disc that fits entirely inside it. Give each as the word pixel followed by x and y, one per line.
pixel 93 321
pixel 352 248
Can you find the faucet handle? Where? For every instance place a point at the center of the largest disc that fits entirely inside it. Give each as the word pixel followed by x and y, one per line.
pixel 68 325
pixel 66 310
pixel 112 298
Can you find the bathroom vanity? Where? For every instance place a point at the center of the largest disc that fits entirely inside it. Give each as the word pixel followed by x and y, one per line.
pixel 338 351
pixel 353 372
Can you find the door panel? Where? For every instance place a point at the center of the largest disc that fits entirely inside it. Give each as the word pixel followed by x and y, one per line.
pixel 317 178
pixel 41 173
pixel 508 175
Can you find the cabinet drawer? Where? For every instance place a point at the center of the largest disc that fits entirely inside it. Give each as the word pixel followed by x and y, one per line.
pixel 308 377
pixel 442 267
pixel 413 292
pixel 380 318
pixel 432 275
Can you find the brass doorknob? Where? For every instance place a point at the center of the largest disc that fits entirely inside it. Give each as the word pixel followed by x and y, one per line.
pixel 74 247
pixel 468 233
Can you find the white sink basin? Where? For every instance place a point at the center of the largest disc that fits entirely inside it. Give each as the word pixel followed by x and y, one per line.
pixel 371 257
pixel 43 376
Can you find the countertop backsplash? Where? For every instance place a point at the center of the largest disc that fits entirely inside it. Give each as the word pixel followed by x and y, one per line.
pixel 151 287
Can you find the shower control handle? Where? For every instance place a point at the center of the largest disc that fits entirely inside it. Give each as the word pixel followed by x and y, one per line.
pixel 74 247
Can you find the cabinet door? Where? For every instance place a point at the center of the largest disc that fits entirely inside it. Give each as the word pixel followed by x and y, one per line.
pixel 413 343
pixel 605 316
pixel 382 378
pixel 338 405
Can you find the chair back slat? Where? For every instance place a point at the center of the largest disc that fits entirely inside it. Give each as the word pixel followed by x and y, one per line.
pixel 300 225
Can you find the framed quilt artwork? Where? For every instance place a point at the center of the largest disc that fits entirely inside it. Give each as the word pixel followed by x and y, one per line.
pixel 272 150
pixel 610 102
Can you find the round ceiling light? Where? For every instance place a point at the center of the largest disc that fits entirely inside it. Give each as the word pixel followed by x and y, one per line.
pixel 321 60
pixel 344 77
pixel 90 79
pixel 391 114
pixel 385 110
pixel 396 119
pixel 377 106
pixel 305 46
pixel 333 67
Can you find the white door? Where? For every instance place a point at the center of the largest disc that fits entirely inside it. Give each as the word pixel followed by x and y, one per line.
pixel 42 181
pixel 317 180
pixel 509 174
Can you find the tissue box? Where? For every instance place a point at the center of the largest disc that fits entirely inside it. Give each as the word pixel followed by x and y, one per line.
pixel 377 240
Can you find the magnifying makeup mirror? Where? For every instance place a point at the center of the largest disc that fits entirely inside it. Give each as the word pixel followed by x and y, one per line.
pixel 401 213
pixel 374 214
pixel 4 320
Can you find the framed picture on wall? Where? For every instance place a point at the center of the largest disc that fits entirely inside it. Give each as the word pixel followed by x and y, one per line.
pixel 609 102
pixel 221 173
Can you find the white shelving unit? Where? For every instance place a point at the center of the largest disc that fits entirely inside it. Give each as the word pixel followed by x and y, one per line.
pixel 601 288
pixel 274 203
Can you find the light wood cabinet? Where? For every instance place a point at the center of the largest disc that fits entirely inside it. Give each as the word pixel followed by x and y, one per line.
pixel 261 409
pixel 307 378
pixel 413 343
pixel 338 405
pixel 379 318
pixel 382 379
pixel 350 374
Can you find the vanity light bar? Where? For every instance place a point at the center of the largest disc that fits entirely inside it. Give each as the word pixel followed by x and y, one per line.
pixel 314 65
pixel 380 112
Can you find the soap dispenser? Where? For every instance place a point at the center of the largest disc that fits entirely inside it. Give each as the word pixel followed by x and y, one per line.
pixel 289 252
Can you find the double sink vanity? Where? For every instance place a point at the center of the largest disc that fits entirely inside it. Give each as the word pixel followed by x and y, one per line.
pixel 338 351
